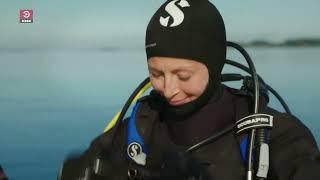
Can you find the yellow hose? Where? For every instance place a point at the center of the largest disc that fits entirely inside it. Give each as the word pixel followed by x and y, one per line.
pixel 116 117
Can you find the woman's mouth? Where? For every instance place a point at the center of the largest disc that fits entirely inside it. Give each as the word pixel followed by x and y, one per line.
pixel 177 102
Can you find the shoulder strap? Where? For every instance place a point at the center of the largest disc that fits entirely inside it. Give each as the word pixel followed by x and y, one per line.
pixel 140 131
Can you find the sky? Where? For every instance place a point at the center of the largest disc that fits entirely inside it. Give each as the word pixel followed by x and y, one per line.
pixel 105 23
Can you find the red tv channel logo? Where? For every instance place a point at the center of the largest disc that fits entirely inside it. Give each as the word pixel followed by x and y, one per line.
pixel 26 16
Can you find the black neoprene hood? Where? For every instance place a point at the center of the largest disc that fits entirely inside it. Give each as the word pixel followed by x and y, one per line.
pixel 188 29
pixel 194 30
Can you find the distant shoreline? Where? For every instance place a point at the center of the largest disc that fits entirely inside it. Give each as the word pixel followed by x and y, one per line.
pixel 299 42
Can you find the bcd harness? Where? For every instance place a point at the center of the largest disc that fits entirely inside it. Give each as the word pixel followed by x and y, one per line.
pixel 140 128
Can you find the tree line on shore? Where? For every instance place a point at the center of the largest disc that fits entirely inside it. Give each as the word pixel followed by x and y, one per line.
pixel 299 42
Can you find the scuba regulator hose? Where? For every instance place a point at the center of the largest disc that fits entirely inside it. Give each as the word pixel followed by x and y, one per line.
pixel 260 135
pixel 257 137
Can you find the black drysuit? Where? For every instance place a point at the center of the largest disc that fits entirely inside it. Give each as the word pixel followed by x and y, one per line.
pixel 293 151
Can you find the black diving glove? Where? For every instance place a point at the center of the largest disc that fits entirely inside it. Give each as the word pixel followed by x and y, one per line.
pixel 90 166
pixel 170 166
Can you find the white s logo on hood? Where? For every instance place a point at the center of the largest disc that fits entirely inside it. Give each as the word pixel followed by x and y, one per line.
pixel 175 12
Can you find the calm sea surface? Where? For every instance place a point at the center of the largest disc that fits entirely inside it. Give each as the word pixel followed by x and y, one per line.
pixel 55 103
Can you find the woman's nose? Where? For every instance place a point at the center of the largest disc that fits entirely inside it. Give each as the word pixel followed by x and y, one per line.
pixel 170 88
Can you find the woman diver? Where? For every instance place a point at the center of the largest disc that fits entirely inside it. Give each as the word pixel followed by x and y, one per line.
pixel 192 126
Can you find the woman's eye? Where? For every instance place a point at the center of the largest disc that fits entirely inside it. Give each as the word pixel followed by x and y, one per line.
pixel 184 77
pixel 155 75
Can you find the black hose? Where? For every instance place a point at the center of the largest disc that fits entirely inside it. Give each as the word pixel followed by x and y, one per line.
pixel 260 132
pixel 210 139
pixel 132 96
pixel 233 77
pixel 252 72
pixel 283 103
pixel 242 67
pixel 274 92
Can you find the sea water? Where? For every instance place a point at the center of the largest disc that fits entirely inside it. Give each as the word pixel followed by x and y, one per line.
pixel 53 103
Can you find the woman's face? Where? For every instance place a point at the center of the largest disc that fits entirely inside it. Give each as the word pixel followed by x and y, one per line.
pixel 179 80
